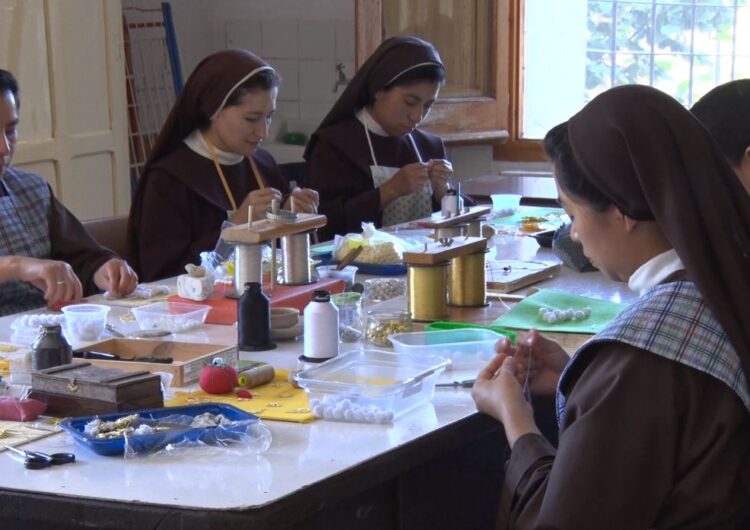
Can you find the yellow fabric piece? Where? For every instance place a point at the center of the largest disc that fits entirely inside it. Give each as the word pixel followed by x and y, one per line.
pixel 15 433
pixel 277 400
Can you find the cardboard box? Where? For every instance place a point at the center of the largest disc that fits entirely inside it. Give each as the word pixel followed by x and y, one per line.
pixel 188 358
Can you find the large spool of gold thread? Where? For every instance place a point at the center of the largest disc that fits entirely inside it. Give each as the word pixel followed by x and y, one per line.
pixel 427 287
pixel 467 285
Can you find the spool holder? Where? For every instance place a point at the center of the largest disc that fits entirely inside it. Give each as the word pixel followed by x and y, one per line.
pixel 282 223
pixel 437 254
pixel 439 220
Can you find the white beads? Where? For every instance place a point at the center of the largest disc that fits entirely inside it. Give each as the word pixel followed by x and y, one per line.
pixel 344 409
pixel 552 316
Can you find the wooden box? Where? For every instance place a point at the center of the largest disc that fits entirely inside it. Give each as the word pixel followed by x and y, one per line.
pixel 82 389
pixel 188 358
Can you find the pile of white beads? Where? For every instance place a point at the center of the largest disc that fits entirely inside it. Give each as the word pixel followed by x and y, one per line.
pixel 551 316
pixel 34 321
pixel 344 409
pixel 85 328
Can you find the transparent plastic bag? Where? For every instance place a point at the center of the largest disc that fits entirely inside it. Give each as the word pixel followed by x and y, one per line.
pixel 206 433
pixel 378 246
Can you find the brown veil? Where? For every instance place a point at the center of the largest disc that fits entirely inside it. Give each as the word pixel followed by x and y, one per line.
pixel 654 161
pixel 203 96
pixel 394 57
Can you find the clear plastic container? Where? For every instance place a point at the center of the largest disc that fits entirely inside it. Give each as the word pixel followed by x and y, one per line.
pixel 350 316
pixel 85 322
pixel 466 348
pixel 370 386
pixel 381 289
pixel 505 204
pixel 383 323
pixel 174 317
pixel 347 274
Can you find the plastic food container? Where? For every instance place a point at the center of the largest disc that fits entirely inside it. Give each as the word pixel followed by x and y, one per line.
pixel 466 348
pixel 174 317
pixel 347 274
pixel 370 386
pixel 504 204
pixel 381 324
pixel 380 289
pixel 85 322
pixel 116 446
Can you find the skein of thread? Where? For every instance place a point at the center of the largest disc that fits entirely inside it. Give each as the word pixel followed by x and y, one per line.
pixel 255 375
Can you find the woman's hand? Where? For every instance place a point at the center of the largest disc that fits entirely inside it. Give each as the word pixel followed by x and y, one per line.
pixel 498 393
pixel 409 179
pixel 260 200
pixel 544 359
pixel 440 173
pixel 55 278
pixel 117 277
pixel 305 200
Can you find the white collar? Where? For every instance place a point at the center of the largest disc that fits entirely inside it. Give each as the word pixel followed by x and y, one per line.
pixel 197 143
pixel 364 116
pixel 654 271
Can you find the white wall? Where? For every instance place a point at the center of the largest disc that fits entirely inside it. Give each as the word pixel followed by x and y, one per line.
pixel 304 40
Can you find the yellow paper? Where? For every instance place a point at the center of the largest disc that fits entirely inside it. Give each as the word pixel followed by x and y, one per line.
pixel 15 433
pixel 277 400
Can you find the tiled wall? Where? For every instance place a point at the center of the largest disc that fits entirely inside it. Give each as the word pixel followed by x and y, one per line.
pixel 305 52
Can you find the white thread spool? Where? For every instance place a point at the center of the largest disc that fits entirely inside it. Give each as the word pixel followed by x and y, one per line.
pixel 295 250
pixel 449 204
pixel 247 265
pixel 321 324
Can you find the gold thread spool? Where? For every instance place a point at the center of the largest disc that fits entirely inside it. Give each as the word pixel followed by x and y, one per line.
pixel 427 286
pixel 467 286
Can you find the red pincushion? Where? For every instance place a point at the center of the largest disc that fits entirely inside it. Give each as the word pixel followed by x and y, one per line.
pixel 218 379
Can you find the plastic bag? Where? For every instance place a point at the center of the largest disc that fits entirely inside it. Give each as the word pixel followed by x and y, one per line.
pixel 207 433
pixel 15 409
pixel 379 246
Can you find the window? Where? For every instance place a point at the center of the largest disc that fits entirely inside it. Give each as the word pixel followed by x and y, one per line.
pixel 469 35
pixel 568 52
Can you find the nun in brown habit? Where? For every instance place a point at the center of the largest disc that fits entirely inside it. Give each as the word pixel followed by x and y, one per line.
pixel 367 159
pixel 654 411
pixel 206 166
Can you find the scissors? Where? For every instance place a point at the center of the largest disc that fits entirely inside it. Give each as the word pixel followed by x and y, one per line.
pixel 39 460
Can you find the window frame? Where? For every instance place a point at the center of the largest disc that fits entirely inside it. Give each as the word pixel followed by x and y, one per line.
pixel 458 120
pixel 516 148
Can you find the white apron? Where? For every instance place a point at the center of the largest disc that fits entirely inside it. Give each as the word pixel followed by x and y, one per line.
pixel 408 207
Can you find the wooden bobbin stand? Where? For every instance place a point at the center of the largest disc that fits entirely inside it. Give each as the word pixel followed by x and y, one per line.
pixel 263 230
pixel 434 277
pixel 442 224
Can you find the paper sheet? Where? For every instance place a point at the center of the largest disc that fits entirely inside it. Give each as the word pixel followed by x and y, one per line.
pixel 525 314
pixel 277 400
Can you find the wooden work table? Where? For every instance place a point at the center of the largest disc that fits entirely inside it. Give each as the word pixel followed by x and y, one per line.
pixel 439 466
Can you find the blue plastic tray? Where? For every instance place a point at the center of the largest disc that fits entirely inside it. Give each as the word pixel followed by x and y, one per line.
pixel 116 446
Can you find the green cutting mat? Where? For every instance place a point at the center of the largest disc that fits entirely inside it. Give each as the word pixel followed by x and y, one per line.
pixel 525 314
pixel 553 216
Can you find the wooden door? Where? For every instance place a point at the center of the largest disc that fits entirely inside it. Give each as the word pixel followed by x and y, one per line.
pixel 68 59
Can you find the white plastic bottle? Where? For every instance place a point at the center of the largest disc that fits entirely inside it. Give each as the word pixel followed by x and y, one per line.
pixel 321 321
